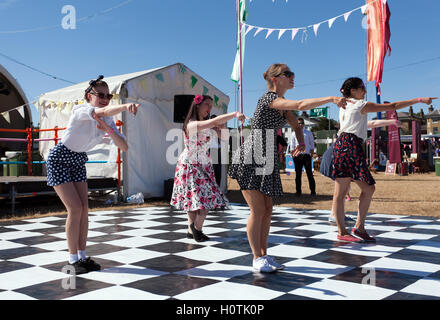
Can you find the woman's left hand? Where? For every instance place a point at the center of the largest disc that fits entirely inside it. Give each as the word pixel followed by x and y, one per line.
pixel 101 124
pixel 341 102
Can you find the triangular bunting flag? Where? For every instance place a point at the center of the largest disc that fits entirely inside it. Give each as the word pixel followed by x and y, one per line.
pixel 258 31
pixel 216 100
pixel 294 32
pixel 315 28
pixel 172 73
pixel 205 90
pixel 330 22
pixel 346 15
pixel 21 111
pixel 269 31
pixel 144 85
pixel 159 77
pixel 281 33
pixel 182 69
pixel 193 81
pixel 248 29
pixel 6 116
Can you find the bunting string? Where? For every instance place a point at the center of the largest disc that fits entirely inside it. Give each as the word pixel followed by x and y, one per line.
pixel 304 29
pixel 124 3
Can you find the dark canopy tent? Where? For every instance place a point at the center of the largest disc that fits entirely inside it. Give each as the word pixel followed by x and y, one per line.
pixel 12 97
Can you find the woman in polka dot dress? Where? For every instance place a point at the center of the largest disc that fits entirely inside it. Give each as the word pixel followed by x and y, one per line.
pixel 66 170
pixel 255 165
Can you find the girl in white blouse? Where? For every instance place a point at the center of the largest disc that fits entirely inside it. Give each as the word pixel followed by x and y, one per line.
pixel 66 170
pixel 349 160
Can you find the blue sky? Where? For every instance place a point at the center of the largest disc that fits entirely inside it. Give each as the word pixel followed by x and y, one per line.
pixel 145 34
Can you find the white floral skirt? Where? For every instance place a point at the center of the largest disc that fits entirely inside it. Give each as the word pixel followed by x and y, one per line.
pixel 195 188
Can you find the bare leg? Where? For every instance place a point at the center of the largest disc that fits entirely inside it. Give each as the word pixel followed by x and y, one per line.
pixel 367 192
pixel 200 219
pixel 348 198
pixel 192 215
pixel 265 227
pixel 72 201
pixel 341 189
pixel 257 204
pixel 82 190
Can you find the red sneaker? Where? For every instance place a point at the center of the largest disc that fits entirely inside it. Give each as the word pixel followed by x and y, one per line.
pixel 349 238
pixel 363 235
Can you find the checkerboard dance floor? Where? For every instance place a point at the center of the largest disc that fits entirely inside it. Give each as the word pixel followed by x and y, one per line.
pixel 145 255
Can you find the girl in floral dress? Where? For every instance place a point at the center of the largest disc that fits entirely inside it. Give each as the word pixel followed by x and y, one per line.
pixel 195 189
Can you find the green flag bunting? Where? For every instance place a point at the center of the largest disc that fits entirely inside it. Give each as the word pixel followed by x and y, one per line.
pixel 159 77
pixel 193 81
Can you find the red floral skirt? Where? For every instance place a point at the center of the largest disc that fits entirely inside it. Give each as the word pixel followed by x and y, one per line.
pixel 349 159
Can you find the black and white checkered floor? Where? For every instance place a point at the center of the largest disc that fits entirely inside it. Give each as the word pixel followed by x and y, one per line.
pixel 145 255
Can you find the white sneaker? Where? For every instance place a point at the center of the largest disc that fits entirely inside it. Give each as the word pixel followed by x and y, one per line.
pixel 261 264
pixel 274 263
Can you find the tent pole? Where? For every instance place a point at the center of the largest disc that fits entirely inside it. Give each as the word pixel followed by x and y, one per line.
pixel 241 62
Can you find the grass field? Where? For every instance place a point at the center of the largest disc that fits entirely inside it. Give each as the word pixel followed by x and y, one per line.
pixel 416 194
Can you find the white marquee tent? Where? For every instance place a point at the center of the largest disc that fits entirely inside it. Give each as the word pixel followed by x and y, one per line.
pixel 153 144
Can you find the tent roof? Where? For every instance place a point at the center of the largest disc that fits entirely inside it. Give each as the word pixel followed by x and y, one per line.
pixel 16 97
pixel 75 93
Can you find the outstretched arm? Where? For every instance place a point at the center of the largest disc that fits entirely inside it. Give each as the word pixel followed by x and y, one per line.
pixel 195 126
pixel 383 123
pixel 306 104
pixel 113 110
pixel 374 107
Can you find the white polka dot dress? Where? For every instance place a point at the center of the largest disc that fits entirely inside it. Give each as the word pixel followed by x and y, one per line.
pixel 254 164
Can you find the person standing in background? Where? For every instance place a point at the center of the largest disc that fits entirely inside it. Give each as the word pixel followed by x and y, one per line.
pixel 304 159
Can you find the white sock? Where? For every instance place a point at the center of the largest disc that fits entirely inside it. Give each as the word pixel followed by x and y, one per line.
pixel 82 254
pixel 73 258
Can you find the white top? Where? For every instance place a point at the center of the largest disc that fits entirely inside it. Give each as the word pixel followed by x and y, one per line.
pixel 352 120
pixel 308 140
pixel 81 134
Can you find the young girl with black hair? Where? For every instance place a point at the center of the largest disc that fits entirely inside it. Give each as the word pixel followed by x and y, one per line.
pixel 349 161
pixel 195 189
pixel 66 170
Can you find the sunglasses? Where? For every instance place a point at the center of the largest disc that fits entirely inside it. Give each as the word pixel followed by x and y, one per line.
pixel 101 95
pixel 286 73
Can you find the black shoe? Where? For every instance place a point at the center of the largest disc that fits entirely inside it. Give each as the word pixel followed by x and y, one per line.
pixel 313 193
pixel 189 235
pixel 79 267
pixel 90 265
pixel 199 236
